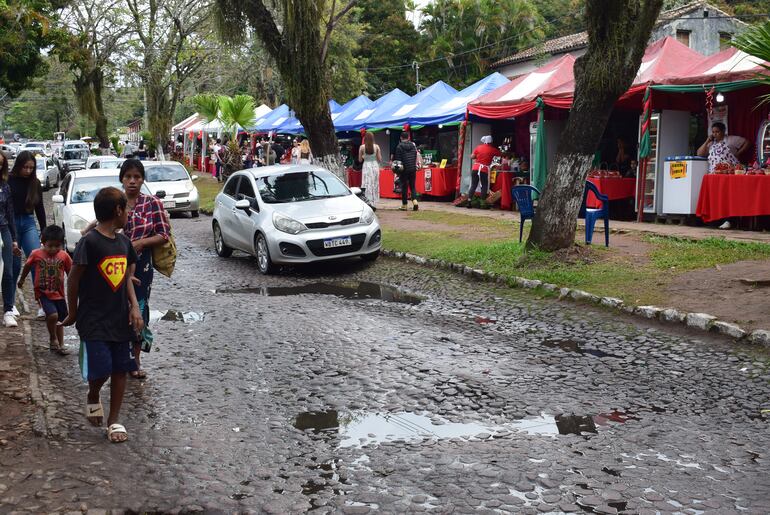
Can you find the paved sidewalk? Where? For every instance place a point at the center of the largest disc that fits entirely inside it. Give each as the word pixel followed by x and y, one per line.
pixel 679 231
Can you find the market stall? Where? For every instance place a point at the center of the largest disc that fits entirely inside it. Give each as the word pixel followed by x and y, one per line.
pixel 723 196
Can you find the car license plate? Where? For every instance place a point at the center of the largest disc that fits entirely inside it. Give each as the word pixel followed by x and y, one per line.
pixel 337 242
pixel 169 203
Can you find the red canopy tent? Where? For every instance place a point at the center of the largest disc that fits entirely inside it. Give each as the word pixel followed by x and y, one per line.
pixel 519 95
pixel 729 65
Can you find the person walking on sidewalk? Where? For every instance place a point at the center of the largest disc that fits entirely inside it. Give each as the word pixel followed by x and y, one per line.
pixel 369 153
pixel 147 227
pixel 406 154
pixel 50 264
pixel 218 152
pixel 27 206
pixel 103 305
pixel 10 247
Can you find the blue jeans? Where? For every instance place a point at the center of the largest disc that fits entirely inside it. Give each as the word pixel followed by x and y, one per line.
pixel 28 238
pixel 8 284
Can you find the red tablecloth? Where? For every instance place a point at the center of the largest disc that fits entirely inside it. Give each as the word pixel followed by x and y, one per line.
pixel 615 188
pixel 441 184
pixel 724 196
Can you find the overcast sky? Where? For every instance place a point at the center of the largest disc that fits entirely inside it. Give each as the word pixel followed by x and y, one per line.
pixel 415 16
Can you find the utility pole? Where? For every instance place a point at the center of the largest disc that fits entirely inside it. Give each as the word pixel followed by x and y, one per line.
pixel 416 67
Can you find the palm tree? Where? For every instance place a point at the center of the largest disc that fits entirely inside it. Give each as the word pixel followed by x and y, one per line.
pixel 236 111
pixel 207 106
pixel 756 42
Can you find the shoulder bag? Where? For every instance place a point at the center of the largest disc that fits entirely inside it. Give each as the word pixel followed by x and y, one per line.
pixel 164 255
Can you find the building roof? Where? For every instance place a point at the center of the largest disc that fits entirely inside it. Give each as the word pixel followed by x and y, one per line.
pixel 580 40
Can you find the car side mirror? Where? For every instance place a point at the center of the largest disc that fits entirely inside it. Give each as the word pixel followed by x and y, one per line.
pixel 355 191
pixel 243 204
pixel 194 177
pixel 57 199
pixel 160 194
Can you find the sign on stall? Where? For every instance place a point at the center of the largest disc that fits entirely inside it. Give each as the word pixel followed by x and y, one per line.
pixel 428 180
pixel 678 169
pixel 442 164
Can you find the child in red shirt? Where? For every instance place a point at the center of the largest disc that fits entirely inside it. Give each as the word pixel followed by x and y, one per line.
pixel 50 263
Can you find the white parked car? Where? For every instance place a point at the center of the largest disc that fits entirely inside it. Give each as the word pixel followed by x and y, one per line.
pixel 47 173
pixel 73 204
pixel 103 162
pixel 173 179
pixel 37 147
pixel 293 214
pixel 9 151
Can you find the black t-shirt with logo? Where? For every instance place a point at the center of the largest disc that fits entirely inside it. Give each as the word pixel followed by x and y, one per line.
pixel 103 307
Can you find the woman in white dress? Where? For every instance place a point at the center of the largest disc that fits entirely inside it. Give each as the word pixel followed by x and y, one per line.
pixel 305 155
pixel 370 155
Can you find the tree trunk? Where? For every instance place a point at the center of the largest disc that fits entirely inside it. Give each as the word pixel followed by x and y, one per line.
pixel 100 120
pixel 323 141
pixel 618 31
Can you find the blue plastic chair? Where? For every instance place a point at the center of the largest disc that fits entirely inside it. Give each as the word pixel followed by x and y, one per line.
pixel 591 215
pixel 522 194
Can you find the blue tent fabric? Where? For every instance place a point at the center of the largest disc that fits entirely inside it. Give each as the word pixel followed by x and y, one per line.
pixel 292 125
pixel 345 119
pixel 382 105
pixel 403 113
pixel 267 123
pixel 453 109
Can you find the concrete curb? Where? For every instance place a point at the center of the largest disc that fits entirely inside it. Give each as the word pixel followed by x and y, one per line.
pixel 40 424
pixel 701 321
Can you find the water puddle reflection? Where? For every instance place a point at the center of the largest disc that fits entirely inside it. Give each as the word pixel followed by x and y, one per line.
pixel 359 428
pixel 173 315
pixel 573 346
pixel 352 290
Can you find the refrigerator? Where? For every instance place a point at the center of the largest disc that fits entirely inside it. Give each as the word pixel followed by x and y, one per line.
pixel 553 130
pixel 669 136
pixel 682 179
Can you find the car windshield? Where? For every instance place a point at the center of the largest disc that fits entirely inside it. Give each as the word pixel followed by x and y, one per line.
pixel 300 186
pixel 106 163
pixel 84 189
pixel 75 154
pixel 164 173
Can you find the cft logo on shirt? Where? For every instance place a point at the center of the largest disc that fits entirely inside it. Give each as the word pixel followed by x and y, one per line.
pixel 113 269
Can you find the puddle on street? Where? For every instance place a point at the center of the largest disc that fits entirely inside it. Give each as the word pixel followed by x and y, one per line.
pixel 573 346
pixel 352 290
pixel 359 428
pixel 173 315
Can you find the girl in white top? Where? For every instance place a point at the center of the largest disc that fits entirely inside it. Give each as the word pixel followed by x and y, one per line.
pixel 305 155
pixel 371 156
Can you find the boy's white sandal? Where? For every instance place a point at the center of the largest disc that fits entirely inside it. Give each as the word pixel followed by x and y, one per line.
pixel 94 410
pixel 116 429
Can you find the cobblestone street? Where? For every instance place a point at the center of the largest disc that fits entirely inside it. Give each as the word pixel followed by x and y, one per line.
pixel 319 389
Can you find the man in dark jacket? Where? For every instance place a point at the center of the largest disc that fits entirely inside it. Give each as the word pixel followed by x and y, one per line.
pixel 406 152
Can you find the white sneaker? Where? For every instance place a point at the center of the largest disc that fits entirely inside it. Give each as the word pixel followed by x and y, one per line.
pixel 40 314
pixel 15 312
pixel 726 225
pixel 9 320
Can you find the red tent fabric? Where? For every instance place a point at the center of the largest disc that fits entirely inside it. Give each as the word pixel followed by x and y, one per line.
pixel 729 65
pixel 663 61
pixel 519 95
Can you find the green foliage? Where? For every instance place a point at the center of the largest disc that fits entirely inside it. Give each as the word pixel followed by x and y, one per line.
pixel 115 141
pixel 26 26
pixel 756 42
pixel 235 111
pixel 207 105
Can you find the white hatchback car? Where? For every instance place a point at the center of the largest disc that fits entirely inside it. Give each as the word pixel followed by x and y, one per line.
pixel 173 179
pixel 73 204
pixel 103 162
pixel 46 172
pixel 291 215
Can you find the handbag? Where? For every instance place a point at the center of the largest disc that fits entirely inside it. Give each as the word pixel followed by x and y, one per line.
pixel 164 256
pixel 397 167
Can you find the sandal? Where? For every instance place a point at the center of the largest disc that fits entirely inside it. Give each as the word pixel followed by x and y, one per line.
pixel 94 411
pixel 116 429
pixel 138 374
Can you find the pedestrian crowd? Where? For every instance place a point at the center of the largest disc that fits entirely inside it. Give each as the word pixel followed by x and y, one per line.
pixel 108 278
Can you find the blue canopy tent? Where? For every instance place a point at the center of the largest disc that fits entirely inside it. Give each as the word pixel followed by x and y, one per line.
pixel 402 113
pixel 345 118
pixel 453 109
pixel 382 105
pixel 269 122
pixel 292 125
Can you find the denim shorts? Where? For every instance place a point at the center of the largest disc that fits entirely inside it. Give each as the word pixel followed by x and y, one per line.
pixel 50 307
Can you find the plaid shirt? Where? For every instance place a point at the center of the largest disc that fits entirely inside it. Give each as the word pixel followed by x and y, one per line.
pixel 147 219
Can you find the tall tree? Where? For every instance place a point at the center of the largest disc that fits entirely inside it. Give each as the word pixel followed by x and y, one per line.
pixel 26 26
pixel 618 32
pixel 171 37
pixel 297 35
pixel 97 30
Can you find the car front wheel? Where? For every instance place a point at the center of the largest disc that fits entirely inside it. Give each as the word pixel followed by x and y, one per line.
pixel 219 243
pixel 264 262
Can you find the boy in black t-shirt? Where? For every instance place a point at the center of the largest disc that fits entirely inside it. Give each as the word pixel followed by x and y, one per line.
pixel 103 305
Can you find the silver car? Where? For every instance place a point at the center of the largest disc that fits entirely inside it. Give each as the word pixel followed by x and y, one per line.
pixel 293 214
pixel 173 179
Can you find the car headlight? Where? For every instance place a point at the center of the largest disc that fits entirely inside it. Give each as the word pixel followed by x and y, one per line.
pixel 286 224
pixel 189 186
pixel 367 215
pixel 79 223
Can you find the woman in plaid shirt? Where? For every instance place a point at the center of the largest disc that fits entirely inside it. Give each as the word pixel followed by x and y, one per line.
pixel 147 227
